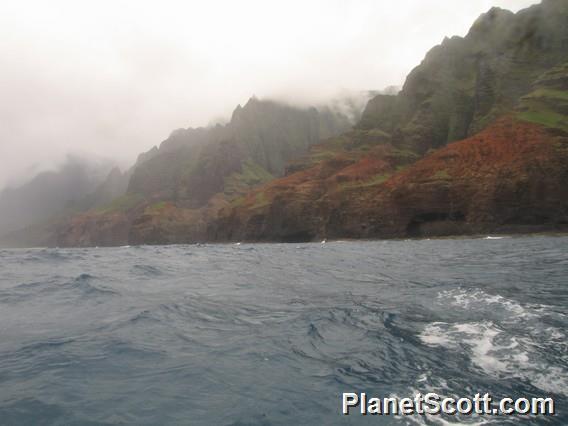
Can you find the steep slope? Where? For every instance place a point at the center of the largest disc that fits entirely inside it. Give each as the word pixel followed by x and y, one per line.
pixel 194 164
pixel 501 89
pixel 547 103
pixel 464 84
pixel 353 186
pixel 175 188
pixel 511 177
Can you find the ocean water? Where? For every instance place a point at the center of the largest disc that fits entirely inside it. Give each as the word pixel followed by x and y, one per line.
pixel 273 334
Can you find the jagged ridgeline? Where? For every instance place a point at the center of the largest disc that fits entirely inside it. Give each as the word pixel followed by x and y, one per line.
pixel 502 89
pixel 190 169
pixel 464 84
pixel 254 147
pixel 176 188
pixel 278 173
pixel 510 177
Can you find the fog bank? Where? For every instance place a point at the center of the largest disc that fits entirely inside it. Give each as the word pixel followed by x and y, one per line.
pixel 113 78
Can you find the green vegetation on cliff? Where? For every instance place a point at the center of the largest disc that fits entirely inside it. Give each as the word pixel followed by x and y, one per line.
pixel 464 84
pixel 121 204
pixel 279 173
pixel 251 175
pixel 547 104
pixel 193 165
pixel 372 182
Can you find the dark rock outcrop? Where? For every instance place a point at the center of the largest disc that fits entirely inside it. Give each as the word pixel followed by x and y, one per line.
pixel 465 84
pixel 174 189
pixel 509 178
pixel 193 164
pixel 500 90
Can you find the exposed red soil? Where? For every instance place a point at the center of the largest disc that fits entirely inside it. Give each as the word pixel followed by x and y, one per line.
pixel 512 176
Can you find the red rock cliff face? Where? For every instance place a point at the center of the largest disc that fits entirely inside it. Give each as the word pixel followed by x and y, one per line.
pixel 378 179
pixel 509 178
pixel 91 230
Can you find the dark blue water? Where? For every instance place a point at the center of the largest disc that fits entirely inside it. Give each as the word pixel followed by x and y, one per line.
pixel 273 334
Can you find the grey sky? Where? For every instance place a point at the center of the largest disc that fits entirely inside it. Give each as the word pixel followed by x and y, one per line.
pixel 113 78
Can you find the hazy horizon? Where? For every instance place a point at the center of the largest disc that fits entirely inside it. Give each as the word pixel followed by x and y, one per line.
pixel 115 78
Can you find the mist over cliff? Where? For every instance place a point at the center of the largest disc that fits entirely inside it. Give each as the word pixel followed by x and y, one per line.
pixel 111 79
pixel 500 91
pixel 190 167
pixel 304 154
pixel 65 188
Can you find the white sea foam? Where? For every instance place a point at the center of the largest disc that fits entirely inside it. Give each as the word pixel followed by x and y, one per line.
pixel 497 353
pixel 479 300
pixel 436 334
pixel 551 379
pixel 479 338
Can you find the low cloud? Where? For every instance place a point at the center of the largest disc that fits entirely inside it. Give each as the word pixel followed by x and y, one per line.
pixel 113 78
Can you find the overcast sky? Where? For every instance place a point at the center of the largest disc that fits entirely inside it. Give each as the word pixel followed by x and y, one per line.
pixel 113 78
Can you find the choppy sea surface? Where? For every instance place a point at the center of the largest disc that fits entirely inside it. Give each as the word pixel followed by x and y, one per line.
pixel 273 334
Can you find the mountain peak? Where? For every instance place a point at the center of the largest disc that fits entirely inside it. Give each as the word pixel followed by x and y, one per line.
pixel 490 20
pixel 253 102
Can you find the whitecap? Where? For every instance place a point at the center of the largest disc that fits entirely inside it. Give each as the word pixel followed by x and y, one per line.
pixel 479 300
pixel 497 353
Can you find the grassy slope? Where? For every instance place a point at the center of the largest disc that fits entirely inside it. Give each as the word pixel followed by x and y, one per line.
pixel 547 104
pixel 361 163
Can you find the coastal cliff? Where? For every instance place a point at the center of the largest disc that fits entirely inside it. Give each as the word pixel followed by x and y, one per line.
pixel 475 142
pixel 510 177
